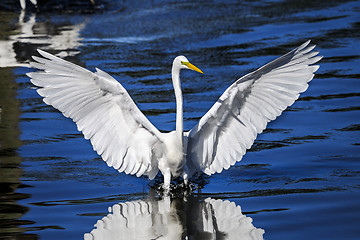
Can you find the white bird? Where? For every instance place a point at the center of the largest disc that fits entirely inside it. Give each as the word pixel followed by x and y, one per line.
pixel 129 142
pixel 23 3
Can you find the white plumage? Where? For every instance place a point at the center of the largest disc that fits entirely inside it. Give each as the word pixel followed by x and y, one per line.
pixel 127 141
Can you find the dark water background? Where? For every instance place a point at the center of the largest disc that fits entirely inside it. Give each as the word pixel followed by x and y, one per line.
pixel 300 180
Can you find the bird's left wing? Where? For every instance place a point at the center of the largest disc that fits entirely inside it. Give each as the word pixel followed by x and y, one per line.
pixel 230 127
pixel 103 111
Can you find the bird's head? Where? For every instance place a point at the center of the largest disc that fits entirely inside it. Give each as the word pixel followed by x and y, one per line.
pixel 183 63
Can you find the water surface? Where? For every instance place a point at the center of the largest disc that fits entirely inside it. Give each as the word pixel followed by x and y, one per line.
pixel 301 178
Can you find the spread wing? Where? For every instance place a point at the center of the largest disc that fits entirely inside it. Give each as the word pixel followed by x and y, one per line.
pixel 230 127
pixel 103 111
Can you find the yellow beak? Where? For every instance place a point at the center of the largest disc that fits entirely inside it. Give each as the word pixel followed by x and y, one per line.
pixel 192 67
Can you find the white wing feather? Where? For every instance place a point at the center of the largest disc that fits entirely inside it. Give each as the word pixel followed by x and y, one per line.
pixel 103 111
pixel 229 128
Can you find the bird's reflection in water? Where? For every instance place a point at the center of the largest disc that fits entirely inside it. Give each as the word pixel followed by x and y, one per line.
pixel 181 218
pixel 16 47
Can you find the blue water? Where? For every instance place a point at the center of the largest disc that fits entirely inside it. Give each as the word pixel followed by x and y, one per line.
pixel 301 178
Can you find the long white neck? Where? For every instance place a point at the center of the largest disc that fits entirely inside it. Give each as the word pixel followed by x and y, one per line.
pixel 175 74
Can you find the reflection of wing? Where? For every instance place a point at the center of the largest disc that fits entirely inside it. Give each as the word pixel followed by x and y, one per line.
pixel 102 110
pixel 230 127
pixel 138 220
pixel 227 219
pixel 123 222
pixel 162 219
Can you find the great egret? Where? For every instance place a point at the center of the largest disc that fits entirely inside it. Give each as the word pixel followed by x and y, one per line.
pixel 127 141
pixel 23 3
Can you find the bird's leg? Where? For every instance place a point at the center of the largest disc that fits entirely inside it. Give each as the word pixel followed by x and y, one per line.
pixel 185 175
pixel 167 179
pixel 186 178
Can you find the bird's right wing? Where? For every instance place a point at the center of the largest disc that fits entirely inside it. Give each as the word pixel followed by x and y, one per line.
pixel 230 127
pixel 103 111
